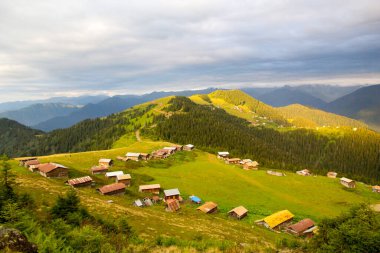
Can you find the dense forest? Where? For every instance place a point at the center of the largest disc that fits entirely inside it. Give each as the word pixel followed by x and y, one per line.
pixel 91 134
pixel 351 153
pixel 14 137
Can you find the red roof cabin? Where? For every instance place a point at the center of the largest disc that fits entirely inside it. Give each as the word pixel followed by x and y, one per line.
pixel 299 228
pixel 98 170
pixel 52 170
pixel 112 189
pixel 80 182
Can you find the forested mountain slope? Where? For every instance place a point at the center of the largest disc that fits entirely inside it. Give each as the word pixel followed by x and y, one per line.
pixel 15 136
pixel 353 153
pixel 363 104
pixel 279 146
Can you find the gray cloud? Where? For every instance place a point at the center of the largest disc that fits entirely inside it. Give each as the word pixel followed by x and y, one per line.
pixel 76 47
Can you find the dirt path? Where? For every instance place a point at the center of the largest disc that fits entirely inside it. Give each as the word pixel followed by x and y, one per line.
pixel 138 138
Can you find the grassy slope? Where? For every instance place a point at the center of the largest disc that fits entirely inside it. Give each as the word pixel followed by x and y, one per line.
pixel 202 174
pixel 239 104
pixel 299 113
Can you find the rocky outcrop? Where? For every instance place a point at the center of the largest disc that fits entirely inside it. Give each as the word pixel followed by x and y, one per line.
pixel 14 240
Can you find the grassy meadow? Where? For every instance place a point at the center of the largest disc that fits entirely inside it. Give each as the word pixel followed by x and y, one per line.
pixel 204 175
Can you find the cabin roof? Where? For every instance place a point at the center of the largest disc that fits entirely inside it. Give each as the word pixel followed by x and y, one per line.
pixel 111 188
pixel 105 160
pixel 233 159
pixel 347 180
pixel 277 218
pixel 302 225
pixel 170 148
pixel 171 192
pixel 123 177
pixel 376 187
pixel 223 153
pixel 240 210
pixel 32 162
pixel 47 167
pixel 99 168
pixel 80 180
pixel 190 145
pixel 114 173
pixel 133 154
pixel 149 187
pixel 207 207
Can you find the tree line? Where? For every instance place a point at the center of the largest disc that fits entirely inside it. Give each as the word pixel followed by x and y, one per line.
pixel 354 154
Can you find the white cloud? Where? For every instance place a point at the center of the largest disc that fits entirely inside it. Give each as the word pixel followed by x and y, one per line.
pixel 115 46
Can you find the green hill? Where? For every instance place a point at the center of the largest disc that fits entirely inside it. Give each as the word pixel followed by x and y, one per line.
pixel 15 136
pixel 302 116
pixel 223 120
pixel 202 174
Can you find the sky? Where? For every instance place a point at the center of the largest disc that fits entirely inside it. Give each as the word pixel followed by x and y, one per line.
pixel 72 47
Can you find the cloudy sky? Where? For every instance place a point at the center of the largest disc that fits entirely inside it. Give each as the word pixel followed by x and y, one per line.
pixel 50 48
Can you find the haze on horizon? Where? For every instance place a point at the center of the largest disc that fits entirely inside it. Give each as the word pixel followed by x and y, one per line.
pixel 70 48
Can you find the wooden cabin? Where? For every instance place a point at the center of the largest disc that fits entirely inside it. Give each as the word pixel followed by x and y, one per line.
pixel 114 174
pixel 124 178
pixel 29 163
pixel 275 173
pixel 34 168
pixel 144 156
pixel 171 150
pixel 160 154
pixel 223 155
pixel 277 221
pixel 172 194
pixel 251 166
pixel 304 172
pixel 332 174
pixel 105 162
pixel 376 188
pixel 98 170
pixel 238 212
pixel 349 183
pixel 244 161
pixel 233 160
pixel 133 156
pixel 53 170
pixel 299 228
pixel 208 207
pixel 188 147
pixel 80 182
pixel 22 161
pixel 151 188
pixel 112 189
pixel 172 205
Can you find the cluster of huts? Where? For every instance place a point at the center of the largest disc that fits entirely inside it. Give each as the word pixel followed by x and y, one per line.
pixel 247 164
pixel 279 221
pixel 158 154
pixel 50 169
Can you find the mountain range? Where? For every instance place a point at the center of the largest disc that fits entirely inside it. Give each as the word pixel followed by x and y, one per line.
pixel 352 101
pixel 37 113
